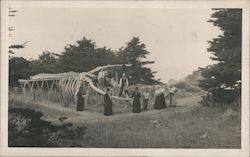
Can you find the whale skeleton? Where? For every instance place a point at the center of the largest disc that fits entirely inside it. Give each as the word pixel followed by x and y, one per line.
pixel 68 83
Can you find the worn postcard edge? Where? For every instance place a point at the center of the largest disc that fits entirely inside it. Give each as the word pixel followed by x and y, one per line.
pixel 25 151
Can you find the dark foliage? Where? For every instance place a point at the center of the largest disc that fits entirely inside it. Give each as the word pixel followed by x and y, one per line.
pixel 46 63
pixel 223 80
pixel 84 56
pixel 27 128
pixel 188 87
pixel 134 53
pixel 19 68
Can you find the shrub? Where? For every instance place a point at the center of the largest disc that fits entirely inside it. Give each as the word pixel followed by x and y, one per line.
pixel 187 87
pixel 27 128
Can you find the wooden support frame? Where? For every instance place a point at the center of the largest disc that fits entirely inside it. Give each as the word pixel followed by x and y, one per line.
pixel 37 84
pixel 29 85
pixel 32 85
pixel 116 78
pixel 41 85
pixel 24 88
pixel 52 85
pixel 47 84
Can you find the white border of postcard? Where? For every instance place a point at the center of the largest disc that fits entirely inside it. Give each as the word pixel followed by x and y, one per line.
pixel 25 151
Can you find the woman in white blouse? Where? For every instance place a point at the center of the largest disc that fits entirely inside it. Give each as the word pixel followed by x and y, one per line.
pixel 159 99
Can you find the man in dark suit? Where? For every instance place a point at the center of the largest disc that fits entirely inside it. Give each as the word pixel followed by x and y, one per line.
pixel 107 103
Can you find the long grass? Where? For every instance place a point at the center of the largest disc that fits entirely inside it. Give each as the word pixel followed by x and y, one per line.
pixel 189 125
pixel 167 129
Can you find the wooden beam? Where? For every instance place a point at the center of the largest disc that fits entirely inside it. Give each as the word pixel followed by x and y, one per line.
pixel 52 84
pixel 116 78
pixel 47 84
pixel 29 86
pixel 24 86
pixel 42 85
pixel 37 85
pixel 32 85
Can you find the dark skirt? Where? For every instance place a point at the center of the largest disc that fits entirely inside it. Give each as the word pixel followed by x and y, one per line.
pixel 108 109
pixel 80 104
pixel 160 102
pixel 136 106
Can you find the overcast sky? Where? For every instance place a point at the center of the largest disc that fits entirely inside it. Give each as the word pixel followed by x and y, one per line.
pixel 176 38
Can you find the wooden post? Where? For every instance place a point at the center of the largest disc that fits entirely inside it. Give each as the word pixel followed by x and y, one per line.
pixel 116 78
pixel 24 86
pixel 47 84
pixel 42 85
pixel 40 89
pixel 48 91
pixel 37 85
pixel 32 85
pixel 51 87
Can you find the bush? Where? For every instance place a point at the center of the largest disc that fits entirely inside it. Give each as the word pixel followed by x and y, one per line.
pixel 187 87
pixel 208 100
pixel 26 128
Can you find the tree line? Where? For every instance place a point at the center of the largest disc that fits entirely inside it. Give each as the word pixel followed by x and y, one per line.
pixel 82 56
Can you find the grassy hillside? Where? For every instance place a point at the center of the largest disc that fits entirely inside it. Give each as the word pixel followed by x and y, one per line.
pixel 189 125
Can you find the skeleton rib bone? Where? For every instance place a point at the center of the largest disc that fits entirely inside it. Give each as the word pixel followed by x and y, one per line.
pixel 70 82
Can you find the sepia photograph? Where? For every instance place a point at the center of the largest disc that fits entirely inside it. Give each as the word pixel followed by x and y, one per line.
pixel 149 76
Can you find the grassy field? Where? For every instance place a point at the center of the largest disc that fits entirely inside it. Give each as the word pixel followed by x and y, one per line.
pixel 189 125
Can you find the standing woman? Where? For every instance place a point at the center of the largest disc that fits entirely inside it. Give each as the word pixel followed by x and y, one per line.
pixel 80 99
pixel 108 103
pixel 136 101
pixel 172 98
pixel 159 99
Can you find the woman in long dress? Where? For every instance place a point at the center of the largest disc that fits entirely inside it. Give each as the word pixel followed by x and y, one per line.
pixel 108 103
pixel 80 99
pixel 136 101
pixel 159 99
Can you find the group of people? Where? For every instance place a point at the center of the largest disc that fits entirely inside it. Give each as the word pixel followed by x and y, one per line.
pixel 159 100
pixel 159 97
pixel 136 107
